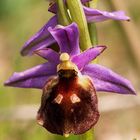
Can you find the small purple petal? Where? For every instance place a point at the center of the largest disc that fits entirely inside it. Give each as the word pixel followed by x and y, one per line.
pixel 35 82
pixel 106 80
pixel 49 41
pixel 87 56
pixel 94 15
pixel 67 38
pixel 46 69
pixel 48 54
pixel 41 39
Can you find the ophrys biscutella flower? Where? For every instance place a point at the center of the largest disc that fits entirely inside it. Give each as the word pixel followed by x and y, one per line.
pixel 95 15
pixel 69 82
pixel 43 38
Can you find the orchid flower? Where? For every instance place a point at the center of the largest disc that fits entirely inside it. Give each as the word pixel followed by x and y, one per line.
pixel 94 15
pixel 43 38
pixel 69 83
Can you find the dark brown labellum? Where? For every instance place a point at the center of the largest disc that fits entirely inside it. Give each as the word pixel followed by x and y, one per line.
pixel 68 104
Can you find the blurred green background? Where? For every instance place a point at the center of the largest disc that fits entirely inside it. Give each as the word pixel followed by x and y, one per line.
pixel 19 20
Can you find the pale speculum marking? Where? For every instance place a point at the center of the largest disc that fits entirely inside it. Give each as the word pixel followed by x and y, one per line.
pixel 74 98
pixel 58 99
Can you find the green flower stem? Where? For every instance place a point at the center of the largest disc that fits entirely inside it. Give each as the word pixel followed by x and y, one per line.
pixel 63 16
pixel 92 26
pixel 88 135
pixel 78 16
pixel 93 33
pixel 94 39
pixel 71 137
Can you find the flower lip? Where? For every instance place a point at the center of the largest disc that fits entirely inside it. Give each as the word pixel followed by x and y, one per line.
pixel 69 106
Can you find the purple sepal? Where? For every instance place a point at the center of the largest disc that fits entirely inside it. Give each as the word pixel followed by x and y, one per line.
pixel 94 15
pixel 35 82
pixel 106 80
pixel 67 38
pixel 19 79
pixel 41 39
pixel 87 56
